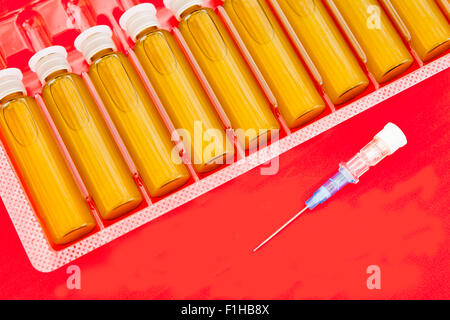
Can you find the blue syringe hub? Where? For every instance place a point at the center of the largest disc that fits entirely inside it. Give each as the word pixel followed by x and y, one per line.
pixel 329 188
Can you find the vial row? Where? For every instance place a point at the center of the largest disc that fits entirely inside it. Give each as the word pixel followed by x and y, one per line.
pixel 42 166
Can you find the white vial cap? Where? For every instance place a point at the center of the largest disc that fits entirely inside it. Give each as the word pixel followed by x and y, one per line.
pixel 48 61
pixel 138 18
pixel 11 82
pixel 393 137
pixel 179 6
pixel 94 40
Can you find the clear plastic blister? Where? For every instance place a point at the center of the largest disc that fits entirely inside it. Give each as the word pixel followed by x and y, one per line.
pixel 29 26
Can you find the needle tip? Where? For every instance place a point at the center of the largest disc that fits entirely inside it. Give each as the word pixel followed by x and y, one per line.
pixel 259 247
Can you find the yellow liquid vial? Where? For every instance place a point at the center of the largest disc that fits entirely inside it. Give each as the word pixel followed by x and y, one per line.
pixel 427 25
pixel 343 78
pixel 297 97
pixel 184 99
pixel 91 145
pixel 138 123
pixel 387 56
pixel 41 166
pixel 226 71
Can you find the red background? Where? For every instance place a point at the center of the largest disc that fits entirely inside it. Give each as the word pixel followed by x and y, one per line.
pixel 396 218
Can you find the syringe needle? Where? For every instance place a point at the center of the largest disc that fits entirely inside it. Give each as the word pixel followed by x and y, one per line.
pixel 280 229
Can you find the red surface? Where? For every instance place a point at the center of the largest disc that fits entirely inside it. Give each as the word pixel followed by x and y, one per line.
pixel 397 218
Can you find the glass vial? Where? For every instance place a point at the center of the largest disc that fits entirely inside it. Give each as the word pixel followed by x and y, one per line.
pixel 178 88
pixel 40 164
pixel 226 71
pixel 343 78
pixel 387 56
pixel 297 97
pixel 427 25
pixel 84 132
pixel 132 112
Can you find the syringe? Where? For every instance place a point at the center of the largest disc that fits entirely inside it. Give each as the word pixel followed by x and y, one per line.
pixel 385 143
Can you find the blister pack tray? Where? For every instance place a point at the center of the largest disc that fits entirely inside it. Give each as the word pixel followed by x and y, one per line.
pixel 27 26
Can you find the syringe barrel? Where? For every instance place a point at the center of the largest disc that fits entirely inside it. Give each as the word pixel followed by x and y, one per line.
pixel 385 143
pixel 368 157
